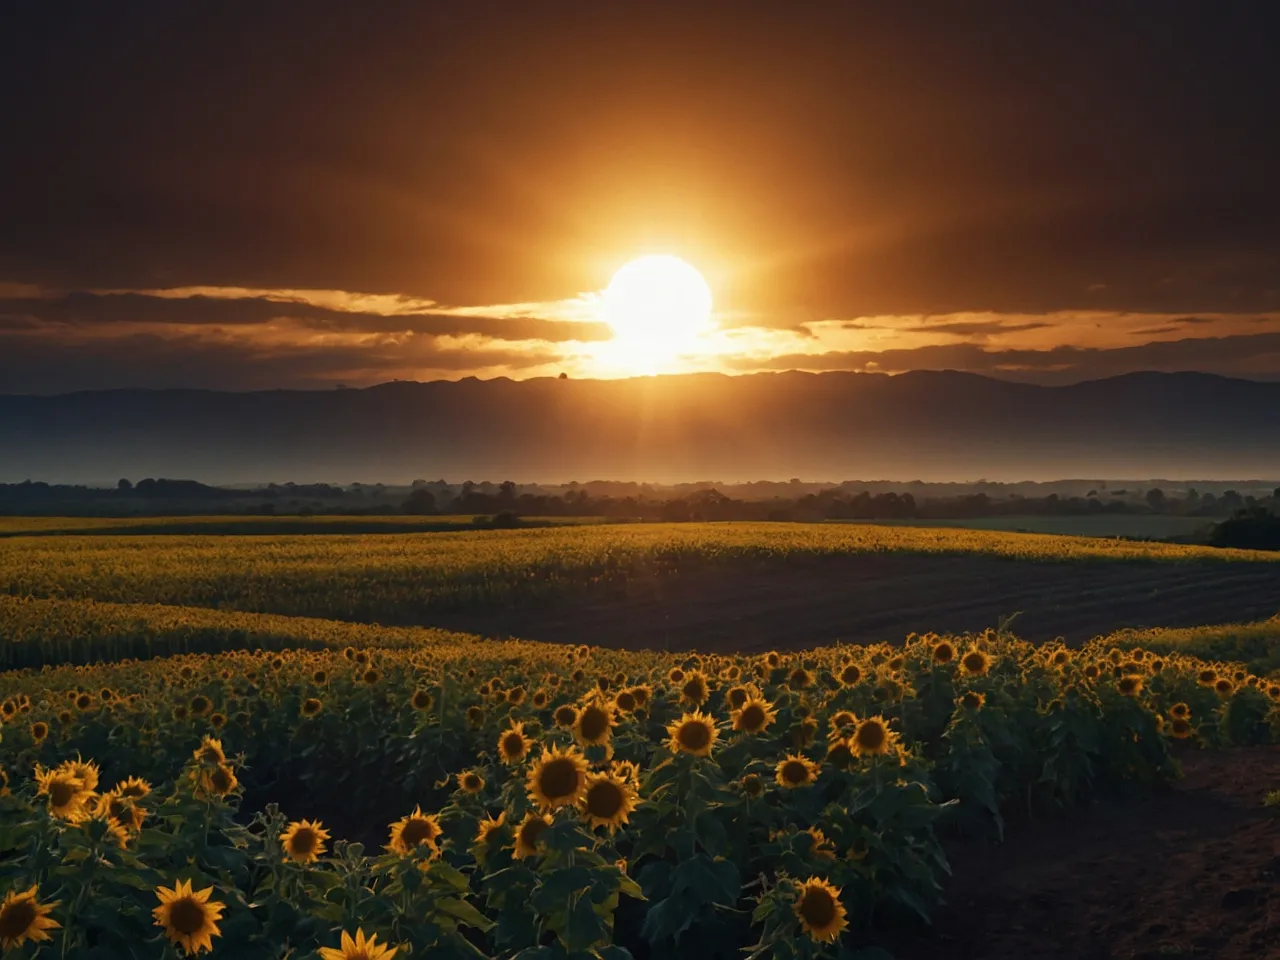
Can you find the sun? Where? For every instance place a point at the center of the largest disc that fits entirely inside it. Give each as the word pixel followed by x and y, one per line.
pixel 657 302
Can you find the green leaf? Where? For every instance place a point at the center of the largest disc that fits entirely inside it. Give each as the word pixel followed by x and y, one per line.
pixel 465 912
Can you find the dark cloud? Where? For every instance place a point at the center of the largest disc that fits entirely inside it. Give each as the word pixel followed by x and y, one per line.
pixel 974 328
pixel 99 309
pixel 861 159
pixel 1249 355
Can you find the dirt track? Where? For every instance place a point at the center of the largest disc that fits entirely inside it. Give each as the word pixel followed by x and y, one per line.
pixel 1193 872
pixel 883 597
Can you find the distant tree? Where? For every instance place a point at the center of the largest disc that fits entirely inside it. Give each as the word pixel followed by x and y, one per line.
pixel 419 483
pixel 1155 499
pixel 124 486
pixel 421 502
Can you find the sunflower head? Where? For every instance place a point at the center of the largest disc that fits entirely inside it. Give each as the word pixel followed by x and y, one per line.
pixel 565 716
pixel 311 707
pixel 475 717
pixel 304 841
pixel 416 830
pixel 975 662
pixel 694 689
pixel 973 700
pixel 490 828
pixel 134 788
pixel 189 917
pixel 626 770
pixel 795 770
pixel 594 724
pixel 752 785
pixel 944 651
pixel 219 781
pixel 529 834
pixel 421 700
pixel 871 738
pixel 608 800
pixel 358 948
pixel 693 733
pixel 67 793
pixel 1179 711
pixel 23 917
pixel 625 701
pixel 470 782
pixel 818 908
pixel 1180 728
pixel 753 716
pixel 1223 687
pixel 850 674
pixel 558 779
pixel 840 754
pixel 209 753
pixel 799 678
pixel 39 730
pixel 642 693
pixel 513 745
pixel 1130 686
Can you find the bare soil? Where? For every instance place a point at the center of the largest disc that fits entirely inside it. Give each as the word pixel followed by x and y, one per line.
pixel 1193 872
pixel 883 597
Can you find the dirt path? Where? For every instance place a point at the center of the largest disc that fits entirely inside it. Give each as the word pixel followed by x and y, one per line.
pixel 1194 873
pixel 883 597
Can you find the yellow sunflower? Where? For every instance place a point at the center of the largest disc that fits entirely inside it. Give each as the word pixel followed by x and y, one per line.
pixel 752 785
pixel 470 782
pixel 39 730
pixel 67 793
pixel 973 700
pixel 86 771
pixel 358 948
pixel 23 918
pixel 513 745
pixel 850 674
pixel 304 841
pixel 418 828
pixel 121 809
pixel 190 918
pixel 694 733
pixel 795 770
pixel 1179 711
pixel 558 779
pixel 1180 728
pixel 209 753
pixel 565 716
pixel 754 716
pixel 608 800
pixel 1129 686
pixel 694 689
pixel 529 832
pixel 975 662
pixel 871 738
pixel 642 694
pixel 840 754
pixel 944 652
pixel 625 701
pixel 594 724
pixel 818 907
pixel 490 827
pixel 218 782
pixel 626 770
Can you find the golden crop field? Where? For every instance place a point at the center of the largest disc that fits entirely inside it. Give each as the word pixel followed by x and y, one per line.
pixel 397 577
pixel 182 777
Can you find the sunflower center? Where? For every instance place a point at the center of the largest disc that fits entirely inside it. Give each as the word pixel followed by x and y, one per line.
pixel 513 744
pixel 61 793
pixel 943 653
pixel 693 690
pixel 626 702
pixel 793 771
pixel 871 736
pixel 818 908
pixel 186 916
pixel 565 716
pixel 220 781
pixel 693 736
pixel 850 675
pixel 417 831
pixel 753 718
pixel 559 778
pixel 471 782
pixel 16 918
pixel 594 723
pixel 840 755
pixel 974 662
pixel 605 799
pixel 303 842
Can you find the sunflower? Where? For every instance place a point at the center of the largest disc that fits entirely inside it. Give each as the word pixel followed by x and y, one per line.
pixel 529 832
pixel 594 724
pixel 23 918
pixel 840 754
pixel 735 697
pixel 209 752
pixel 820 848
pixel 694 733
pixel 1207 677
pixel 1179 711
pixel 84 701
pixel 475 716
pixel 539 699
pixel 818 907
pixel 675 675
pixel 608 800
pixel 1060 658
pixel 625 701
pixel 311 706
pixel 642 694
pixel 370 676
pixel 121 809
pixel 1180 728
pixel 418 828
pixel 694 690
pixel 850 674
pixel 872 738
pixel 470 782
pixel 218 782
pixel 799 678
pixel 1223 687
pixel 200 704
pixel 320 678
pixel 489 828
pixel 1130 686
pixel 944 652
pixel 772 660
pixel 86 771
pixel 626 770
pixel 190 918
pixel 975 662
pixel 753 716
pixel 973 700
pixel 134 788
pixel 67 793
pixel 513 746
pixel 304 841
pixel 752 785
pixel 565 716
pixel 795 770
pixel 358 949
pixel 39 730
pixel 558 779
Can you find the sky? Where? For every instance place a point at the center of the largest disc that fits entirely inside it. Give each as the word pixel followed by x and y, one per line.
pixel 258 196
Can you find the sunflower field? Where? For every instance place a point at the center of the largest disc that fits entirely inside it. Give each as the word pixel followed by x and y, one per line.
pixel 468 798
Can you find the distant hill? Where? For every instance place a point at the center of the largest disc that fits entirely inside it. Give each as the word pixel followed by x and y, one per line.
pixel 923 425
